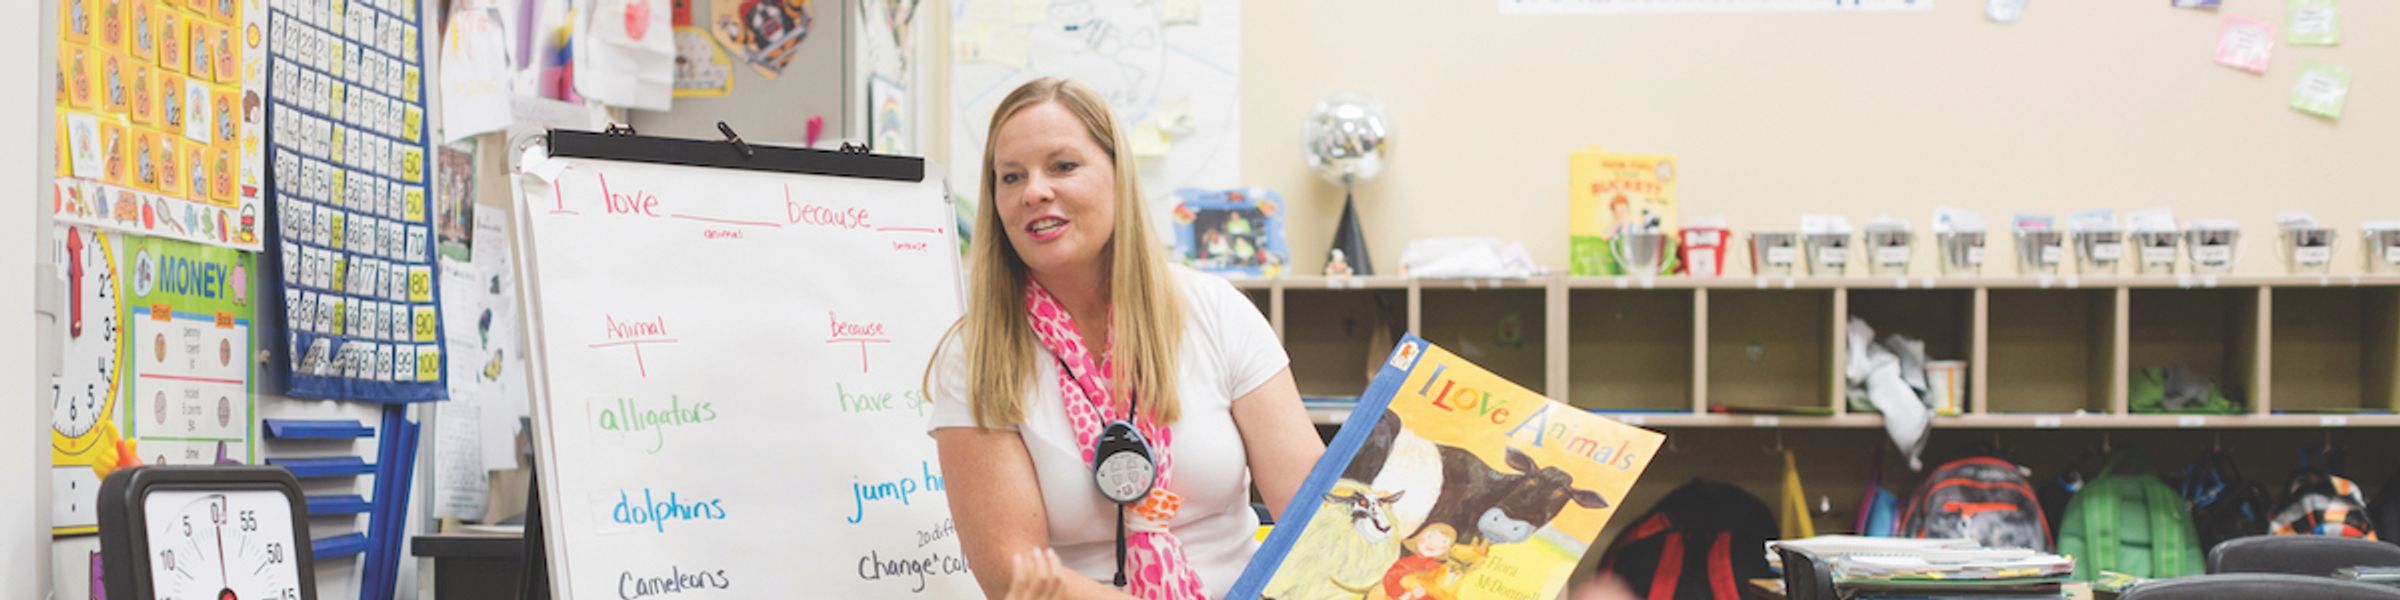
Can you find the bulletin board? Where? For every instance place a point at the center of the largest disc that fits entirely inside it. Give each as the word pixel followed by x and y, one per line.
pixel 814 82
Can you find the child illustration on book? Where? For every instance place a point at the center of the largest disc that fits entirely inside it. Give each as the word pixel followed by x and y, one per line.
pixel 1429 571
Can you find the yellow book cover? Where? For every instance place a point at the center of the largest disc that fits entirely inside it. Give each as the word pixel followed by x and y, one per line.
pixel 1449 482
pixel 1609 193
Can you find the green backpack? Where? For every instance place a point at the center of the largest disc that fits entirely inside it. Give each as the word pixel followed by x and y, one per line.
pixel 2127 521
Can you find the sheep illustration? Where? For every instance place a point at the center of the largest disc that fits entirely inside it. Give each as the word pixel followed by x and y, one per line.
pixel 1351 541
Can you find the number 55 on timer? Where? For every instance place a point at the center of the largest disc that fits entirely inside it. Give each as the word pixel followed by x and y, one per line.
pixel 205 533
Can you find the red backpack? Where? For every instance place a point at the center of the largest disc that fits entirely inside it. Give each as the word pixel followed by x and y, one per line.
pixel 1980 498
pixel 1698 543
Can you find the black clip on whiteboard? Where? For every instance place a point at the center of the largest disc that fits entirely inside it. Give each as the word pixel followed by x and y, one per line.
pixel 727 154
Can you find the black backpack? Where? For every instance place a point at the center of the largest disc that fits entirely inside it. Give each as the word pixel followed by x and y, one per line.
pixel 1980 498
pixel 2386 510
pixel 1699 543
pixel 2224 505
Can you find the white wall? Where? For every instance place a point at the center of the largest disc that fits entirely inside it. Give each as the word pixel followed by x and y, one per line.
pixel 26 151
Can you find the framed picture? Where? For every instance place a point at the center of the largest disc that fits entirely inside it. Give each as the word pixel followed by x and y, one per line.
pixel 1231 232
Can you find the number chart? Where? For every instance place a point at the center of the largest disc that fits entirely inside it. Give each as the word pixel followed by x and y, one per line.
pixel 348 147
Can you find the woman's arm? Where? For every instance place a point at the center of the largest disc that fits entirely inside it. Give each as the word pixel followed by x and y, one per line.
pixel 996 502
pixel 1281 442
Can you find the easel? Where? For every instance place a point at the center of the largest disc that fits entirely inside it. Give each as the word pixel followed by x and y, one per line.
pixel 622 143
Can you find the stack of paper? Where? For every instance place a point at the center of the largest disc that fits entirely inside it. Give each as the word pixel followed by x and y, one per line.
pixel 1891 568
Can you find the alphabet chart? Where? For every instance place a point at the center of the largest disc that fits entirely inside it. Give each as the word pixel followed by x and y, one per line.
pixel 159 118
pixel 726 371
pixel 349 144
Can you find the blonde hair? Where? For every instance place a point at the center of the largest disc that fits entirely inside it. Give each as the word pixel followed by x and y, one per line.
pixel 1146 316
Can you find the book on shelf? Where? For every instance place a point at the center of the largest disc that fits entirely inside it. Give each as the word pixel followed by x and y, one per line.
pixel 1609 194
pixel 1449 479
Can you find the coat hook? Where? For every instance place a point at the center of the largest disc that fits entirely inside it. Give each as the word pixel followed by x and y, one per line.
pixel 2105 445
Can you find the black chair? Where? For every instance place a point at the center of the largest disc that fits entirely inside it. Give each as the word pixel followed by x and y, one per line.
pixel 2251 586
pixel 2299 555
pixel 1806 576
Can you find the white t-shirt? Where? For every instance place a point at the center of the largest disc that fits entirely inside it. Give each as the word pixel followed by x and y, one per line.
pixel 1228 351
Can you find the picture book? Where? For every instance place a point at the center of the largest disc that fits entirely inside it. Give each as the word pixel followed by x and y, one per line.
pixel 1449 482
pixel 1610 194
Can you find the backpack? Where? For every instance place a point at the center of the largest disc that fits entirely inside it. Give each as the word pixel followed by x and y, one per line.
pixel 1981 498
pixel 2322 503
pixel 2127 521
pixel 1698 543
pixel 2224 505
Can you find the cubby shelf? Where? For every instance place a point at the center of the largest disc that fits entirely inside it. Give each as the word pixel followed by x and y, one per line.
pixel 2042 352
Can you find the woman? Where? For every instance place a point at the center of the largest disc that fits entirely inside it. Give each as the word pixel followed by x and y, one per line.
pixel 1074 318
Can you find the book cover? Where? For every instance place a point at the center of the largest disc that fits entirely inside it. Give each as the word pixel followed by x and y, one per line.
pixel 1611 193
pixel 1448 482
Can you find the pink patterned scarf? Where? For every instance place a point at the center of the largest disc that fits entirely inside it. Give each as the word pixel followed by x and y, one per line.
pixel 1155 567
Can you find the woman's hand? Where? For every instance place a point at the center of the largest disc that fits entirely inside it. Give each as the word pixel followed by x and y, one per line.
pixel 1038 576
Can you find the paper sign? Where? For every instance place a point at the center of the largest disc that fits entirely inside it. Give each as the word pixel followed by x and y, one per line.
pixel 2311 23
pixel 475 73
pixel 2245 43
pixel 701 70
pixel 2321 89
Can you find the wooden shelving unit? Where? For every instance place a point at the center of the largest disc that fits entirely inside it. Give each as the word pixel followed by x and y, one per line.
pixel 2042 352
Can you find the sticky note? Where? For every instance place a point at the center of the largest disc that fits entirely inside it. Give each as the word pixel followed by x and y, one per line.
pixel 1028 12
pixel 2321 89
pixel 1183 12
pixel 2245 43
pixel 985 44
pixel 2311 23
pixel 1149 142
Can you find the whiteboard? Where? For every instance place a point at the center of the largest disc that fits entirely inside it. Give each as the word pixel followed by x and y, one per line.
pixel 1173 67
pixel 726 380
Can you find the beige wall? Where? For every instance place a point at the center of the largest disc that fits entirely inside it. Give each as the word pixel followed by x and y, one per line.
pixel 2081 105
